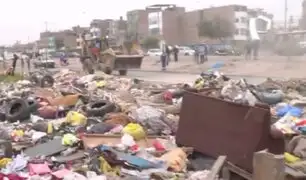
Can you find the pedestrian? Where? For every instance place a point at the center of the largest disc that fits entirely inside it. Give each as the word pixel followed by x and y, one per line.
pixel 3 62
pixel 196 54
pixel 175 53
pixel 248 50
pixel 168 53
pixel 15 58
pixel 256 45
pixel 163 57
pixel 206 53
pixel 201 51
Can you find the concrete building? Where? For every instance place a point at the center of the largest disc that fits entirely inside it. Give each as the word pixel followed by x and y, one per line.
pixel 237 14
pixel 160 20
pixel 115 29
pixel 137 24
pixel 164 22
pixel 65 38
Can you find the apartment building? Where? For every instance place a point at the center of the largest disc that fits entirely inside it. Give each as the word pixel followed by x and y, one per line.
pixel 115 29
pixel 160 20
pixel 137 23
pixel 237 14
pixel 65 38
pixel 165 22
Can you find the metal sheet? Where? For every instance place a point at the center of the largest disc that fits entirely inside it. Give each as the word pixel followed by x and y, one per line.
pixel 215 127
pixel 46 149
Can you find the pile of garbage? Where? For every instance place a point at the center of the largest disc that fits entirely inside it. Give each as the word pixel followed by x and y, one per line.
pixel 67 126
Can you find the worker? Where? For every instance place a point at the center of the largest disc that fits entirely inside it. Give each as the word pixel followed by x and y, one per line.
pixel 248 50
pixel 85 59
pixel 163 57
pixel 13 67
pixel 25 59
pixel 175 53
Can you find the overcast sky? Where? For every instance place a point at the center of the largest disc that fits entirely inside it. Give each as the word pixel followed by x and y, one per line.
pixel 24 19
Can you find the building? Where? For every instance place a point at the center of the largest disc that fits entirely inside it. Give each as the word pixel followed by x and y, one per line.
pixel 172 24
pixel 115 29
pixel 137 24
pixel 60 39
pixel 303 19
pixel 160 20
pixel 237 14
pixel 164 22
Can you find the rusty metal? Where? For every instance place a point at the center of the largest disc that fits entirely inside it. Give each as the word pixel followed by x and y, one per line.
pixel 216 127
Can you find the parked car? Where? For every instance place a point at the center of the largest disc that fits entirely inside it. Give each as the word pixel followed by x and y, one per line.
pixel 186 51
pixel 154 52
pixel 46 62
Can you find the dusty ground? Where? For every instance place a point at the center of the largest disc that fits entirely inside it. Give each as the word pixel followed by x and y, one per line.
pixel 266 66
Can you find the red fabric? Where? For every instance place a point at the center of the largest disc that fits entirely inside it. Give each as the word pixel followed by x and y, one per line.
pixel 167 96
pixel 301 123
pixel 95 51
pixel 11 177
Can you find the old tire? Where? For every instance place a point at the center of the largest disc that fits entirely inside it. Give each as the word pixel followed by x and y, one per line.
pixel 46 81
pixel 99 108
pixel 17 109
pixel 123 72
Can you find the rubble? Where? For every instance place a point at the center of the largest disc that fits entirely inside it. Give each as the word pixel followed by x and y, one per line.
pixel 108 127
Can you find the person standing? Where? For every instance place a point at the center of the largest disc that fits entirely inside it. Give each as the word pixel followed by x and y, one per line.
pixel 15 58
pixel 206 53
pixel 175 53
pixel 163 57
pixel 201 51
pixel 168 53
pixel 248 50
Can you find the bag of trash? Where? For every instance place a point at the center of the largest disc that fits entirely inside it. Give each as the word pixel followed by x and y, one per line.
pixel 176 159
pixel 151 119
pixel 135 130
pixel 76 119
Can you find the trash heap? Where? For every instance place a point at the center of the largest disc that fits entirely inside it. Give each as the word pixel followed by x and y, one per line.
pixel 67 126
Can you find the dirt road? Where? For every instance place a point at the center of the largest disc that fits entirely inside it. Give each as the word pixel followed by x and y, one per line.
pixel 266 66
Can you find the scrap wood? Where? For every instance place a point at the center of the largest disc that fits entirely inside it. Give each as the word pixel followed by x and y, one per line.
pixel 268 166
pixel 216 168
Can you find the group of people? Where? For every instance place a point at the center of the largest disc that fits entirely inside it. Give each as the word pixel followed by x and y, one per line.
pixel 24 58
pixel 201 54
pixel 166 55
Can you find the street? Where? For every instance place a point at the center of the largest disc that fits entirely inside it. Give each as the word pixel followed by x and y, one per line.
pixel 151 71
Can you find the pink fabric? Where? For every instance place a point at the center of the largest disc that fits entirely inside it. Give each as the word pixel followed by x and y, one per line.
pixel 39 169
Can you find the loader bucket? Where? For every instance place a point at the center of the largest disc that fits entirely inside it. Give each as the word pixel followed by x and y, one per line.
pixel 127 62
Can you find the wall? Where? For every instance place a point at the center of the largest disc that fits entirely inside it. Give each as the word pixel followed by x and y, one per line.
pixel 137 23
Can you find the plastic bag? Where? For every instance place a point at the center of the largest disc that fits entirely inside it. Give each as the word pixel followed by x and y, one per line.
pixel 135 130
pixel 152 119
pixel 76 119
pixel 176 159
pixel 127 140
pixel 69 139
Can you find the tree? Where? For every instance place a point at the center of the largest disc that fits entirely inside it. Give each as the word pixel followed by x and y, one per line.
pixel 217 28
pixel 150 42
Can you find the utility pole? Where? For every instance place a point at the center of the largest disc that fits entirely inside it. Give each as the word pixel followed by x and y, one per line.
pixel 285 14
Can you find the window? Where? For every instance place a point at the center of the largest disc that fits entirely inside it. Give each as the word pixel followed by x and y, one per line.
pixel 155 31
pixel 244 20
pixel 237 32
pixel 237 20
